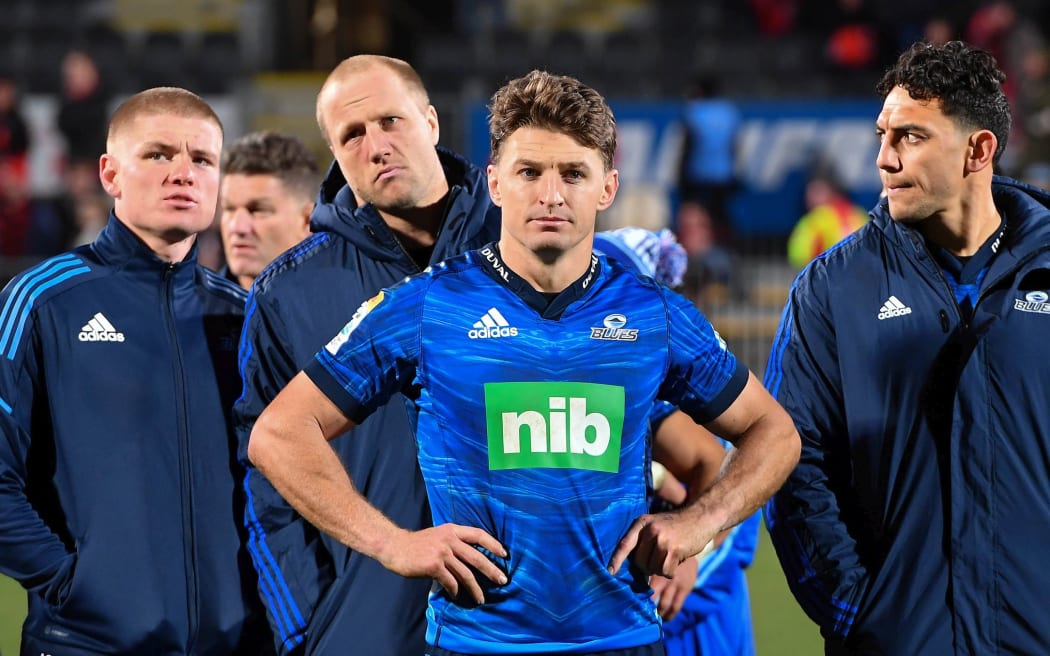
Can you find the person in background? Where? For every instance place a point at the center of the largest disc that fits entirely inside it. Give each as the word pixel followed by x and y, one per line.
pixel 830 217
pixel 119 499
pixel 82 115
pixel 556 513
pixel 15 213
pixel 911 358
pixel 269 181
pixel 393 204
pixel 707 168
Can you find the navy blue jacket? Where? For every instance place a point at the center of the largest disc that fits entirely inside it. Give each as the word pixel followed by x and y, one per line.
pixel 917 519
pixel 321 596
pixel 118 506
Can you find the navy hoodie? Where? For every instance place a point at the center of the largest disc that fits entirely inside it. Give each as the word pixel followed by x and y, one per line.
pixel 320 596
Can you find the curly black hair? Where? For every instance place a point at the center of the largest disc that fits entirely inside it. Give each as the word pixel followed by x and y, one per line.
pixel 966 80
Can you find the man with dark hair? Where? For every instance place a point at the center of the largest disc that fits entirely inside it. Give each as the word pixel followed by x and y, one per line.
pixel 393 204
pixel 119 499
pixel 531 367
pixel 268 185
pixel 911 357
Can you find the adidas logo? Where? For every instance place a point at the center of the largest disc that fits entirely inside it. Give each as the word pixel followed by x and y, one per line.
pixel 492 324
pixel 99 329
pixel 893 308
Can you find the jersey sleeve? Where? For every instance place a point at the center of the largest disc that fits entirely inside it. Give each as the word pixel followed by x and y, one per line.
pixel 375 355
pixel 704 377
pixel 30 552
pixel 294 567
pixel 805 518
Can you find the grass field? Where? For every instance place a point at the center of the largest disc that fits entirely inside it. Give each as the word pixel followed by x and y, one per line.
pixel 780 627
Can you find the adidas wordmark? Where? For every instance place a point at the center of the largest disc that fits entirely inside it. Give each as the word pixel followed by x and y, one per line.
pixel 492 324
pixel 99 329
pixel 893 308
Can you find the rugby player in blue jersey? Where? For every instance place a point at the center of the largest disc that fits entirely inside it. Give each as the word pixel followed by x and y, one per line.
pixel 530 367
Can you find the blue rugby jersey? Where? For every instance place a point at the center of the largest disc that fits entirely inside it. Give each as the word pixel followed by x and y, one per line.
pixel 532 424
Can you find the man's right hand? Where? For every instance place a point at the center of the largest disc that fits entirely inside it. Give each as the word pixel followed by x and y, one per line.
pixel 447 554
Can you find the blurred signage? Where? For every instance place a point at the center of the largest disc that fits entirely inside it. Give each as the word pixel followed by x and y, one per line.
pixel 780 144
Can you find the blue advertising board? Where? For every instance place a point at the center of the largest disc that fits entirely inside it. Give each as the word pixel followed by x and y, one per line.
pixel 780 144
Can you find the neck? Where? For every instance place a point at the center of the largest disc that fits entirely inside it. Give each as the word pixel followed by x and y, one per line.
pixel 547 271
pixel 964 231
pixel 416 227
pixel 171 248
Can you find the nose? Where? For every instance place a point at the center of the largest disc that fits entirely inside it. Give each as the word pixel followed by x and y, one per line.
pixel 239 221
pixel 181 169
pixel 887 159
pixel 551 194
pixel 377 143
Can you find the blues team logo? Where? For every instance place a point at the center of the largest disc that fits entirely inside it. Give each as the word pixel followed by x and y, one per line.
pixel 1037 301
pixel 613 330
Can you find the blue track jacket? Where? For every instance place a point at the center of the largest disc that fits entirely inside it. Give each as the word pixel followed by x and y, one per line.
pixel 321 597
pixel 917 519
pixel 118 495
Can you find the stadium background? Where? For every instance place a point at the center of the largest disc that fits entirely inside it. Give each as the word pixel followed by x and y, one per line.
pixel 801 72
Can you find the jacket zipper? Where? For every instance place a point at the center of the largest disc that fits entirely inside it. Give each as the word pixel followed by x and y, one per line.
pixel 185 471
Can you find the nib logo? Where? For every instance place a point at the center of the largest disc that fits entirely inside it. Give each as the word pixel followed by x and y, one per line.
pixel 556 425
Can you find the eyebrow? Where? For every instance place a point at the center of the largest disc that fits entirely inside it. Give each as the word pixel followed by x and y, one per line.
pixel 904 127
pixel 522 161
pixel 165 147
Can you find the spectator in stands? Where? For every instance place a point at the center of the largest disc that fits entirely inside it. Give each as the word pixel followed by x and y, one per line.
pixel 14 170
pixel 830 217
pixel 707 168
pixel 82 115
pixel 709 270
pixel 269 181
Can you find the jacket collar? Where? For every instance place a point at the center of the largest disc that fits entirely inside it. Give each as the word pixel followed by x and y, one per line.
pixel 336 210
pixel 118 246
pixel 1025 208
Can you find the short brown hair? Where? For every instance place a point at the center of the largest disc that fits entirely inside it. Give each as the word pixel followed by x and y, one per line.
pixel 361 63
pixel 553 102
pixel 275 154
pixel 160 100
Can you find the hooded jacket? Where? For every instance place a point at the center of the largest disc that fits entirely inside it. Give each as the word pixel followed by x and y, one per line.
pixel 320 595
pixel 916 521
pixel 118 497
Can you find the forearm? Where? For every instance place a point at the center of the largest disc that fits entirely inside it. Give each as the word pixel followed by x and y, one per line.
pixel 307 472
pixel 751 473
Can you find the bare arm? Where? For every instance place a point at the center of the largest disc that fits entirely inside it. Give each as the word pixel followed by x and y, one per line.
pixel 767 449
pixel 289 446
pixel 690 453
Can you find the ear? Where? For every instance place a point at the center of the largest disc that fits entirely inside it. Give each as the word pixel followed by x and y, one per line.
pixel 108 170
pixel 308 209
pixel 494 191
pixel 980 150
pixel 432 121
pixel 609 188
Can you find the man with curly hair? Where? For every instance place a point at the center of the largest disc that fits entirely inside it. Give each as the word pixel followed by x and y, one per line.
pixel 912 359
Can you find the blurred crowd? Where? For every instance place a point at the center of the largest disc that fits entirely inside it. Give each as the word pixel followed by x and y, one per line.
pixel 853 41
